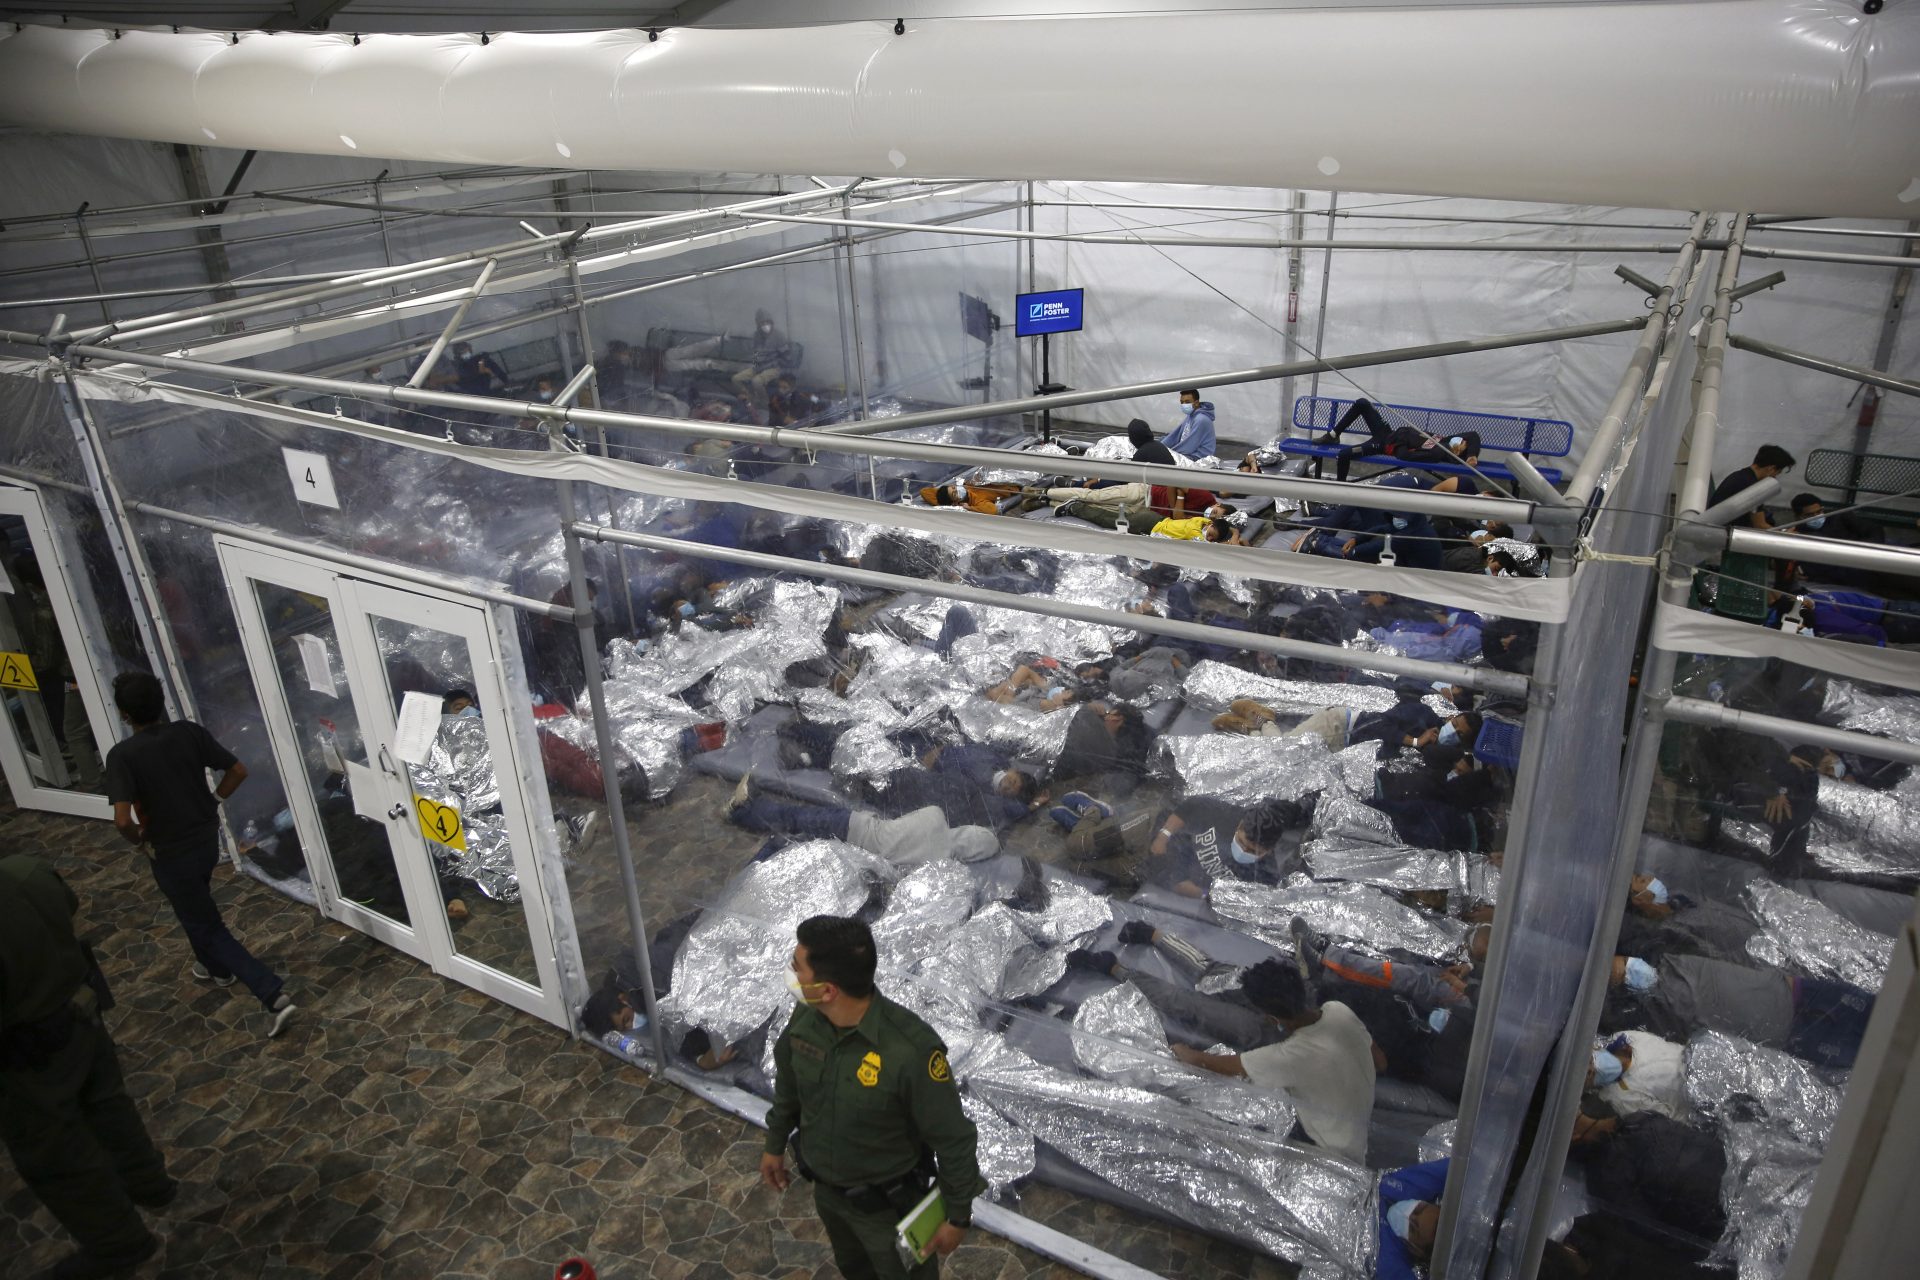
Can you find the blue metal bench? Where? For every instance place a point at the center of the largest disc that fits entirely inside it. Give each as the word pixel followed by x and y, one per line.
pixel 1315 416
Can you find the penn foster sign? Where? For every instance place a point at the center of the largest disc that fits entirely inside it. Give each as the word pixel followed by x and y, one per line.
pixel 1055 311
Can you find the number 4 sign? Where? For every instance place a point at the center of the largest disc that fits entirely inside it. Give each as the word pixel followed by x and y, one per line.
pixel 312 478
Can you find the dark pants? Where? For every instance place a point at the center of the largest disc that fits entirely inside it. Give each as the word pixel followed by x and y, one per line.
pixel 1380 436
pixel 186 878
pixel 1829 1019
pixel 80 1145
pixel 765 814
pixel 862 1242
pixel 959 622
pixel 1901 619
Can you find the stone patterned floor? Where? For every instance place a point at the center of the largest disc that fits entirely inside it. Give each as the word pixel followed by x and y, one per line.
pixel 405 1126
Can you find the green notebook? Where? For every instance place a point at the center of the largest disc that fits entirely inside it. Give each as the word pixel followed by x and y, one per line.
pixel 914 1233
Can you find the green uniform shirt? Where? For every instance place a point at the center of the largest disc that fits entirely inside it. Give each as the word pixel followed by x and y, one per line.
pixel 867 1099
pixel 41 965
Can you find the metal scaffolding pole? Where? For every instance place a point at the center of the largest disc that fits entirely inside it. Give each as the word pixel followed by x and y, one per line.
pixel 1713 346
pixel 1251 242
pixel 1290 336
pixel 478 287
pixel 93 263
pixel 1509 509
pixel 1874 377
pixel 1320 316
pixel 352 560
pixel 1714 714
pixel 1390 217
pixel 1664 311
pixel 585 331
pixel 609 753
pixel 853 313
pixel 136 575
pixel 1484 678
pixel 1258 373
pixel 150 326
pixel 543 313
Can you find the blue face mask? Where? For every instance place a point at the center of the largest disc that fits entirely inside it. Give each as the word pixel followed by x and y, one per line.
pixel 468 713
pixel 1816 522
pixel 1399 522
pixel 1640 975
pixel 1437 1020
pixel 1241 854
pixel 1839 770
pixel 686 609
pixel 1449 736
pixel 1606 1068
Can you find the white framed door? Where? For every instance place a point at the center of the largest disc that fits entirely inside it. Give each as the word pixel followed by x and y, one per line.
pixel 334 657
pixel 53 737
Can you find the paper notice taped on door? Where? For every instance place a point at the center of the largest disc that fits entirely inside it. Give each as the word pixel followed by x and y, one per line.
pixel 313 659
pixel 419 726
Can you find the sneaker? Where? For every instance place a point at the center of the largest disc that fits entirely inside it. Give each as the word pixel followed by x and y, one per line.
pixel 282 1011
pixel 88 1265
pixel 1065 816
pixel 1136 933
pixel 579 827
pixel 1081 802
pixel 1307 947
pixel 200 972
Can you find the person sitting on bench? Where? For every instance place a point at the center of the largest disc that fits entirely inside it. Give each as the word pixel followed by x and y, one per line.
pixel 1404 444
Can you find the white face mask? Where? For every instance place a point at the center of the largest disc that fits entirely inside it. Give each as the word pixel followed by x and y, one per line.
pixel 999 776
pixel 1449 736
pixel 1839 769
pixel 1241 854
pixel 799 990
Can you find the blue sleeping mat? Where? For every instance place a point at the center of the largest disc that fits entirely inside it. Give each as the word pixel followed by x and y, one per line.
pixel 755 745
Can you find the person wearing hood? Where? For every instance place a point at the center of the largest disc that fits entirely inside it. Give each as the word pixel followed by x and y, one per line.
pixel 772 357
pixel 1145 447
pixel 1192 437
pixel 922 835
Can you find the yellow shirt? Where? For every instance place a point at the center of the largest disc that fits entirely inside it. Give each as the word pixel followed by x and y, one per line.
pixel 1189 528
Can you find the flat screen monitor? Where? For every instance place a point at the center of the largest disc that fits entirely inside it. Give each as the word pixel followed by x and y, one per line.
pixel 1055 311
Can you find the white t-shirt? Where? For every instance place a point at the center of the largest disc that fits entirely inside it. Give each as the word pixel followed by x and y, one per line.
pixel 1327 1069
pixel 1657 1080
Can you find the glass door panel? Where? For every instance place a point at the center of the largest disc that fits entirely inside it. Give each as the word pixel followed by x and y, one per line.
pixel 326 729
pixel 479 880
pixel 55 717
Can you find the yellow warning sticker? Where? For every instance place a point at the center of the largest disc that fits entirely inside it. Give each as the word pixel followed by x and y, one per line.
pixel 440 823
pixel 16 672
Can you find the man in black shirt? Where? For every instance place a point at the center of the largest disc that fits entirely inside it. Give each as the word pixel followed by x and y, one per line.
pixel 156 782
pixel 1145 447
pixel 1769 461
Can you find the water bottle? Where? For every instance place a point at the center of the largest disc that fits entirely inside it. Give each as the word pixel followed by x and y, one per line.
pixel 624 1043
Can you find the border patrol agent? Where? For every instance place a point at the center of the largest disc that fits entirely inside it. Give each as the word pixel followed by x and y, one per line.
pixel 863 1089
pixel 73 1132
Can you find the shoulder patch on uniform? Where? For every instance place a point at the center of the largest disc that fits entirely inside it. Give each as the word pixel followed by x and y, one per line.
pixel 937 1069
pixel 868 1073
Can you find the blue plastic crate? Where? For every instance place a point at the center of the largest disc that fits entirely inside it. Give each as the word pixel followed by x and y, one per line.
pixel 1499 743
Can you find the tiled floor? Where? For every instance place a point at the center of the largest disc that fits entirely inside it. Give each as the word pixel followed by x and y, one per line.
pixel 405 1126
